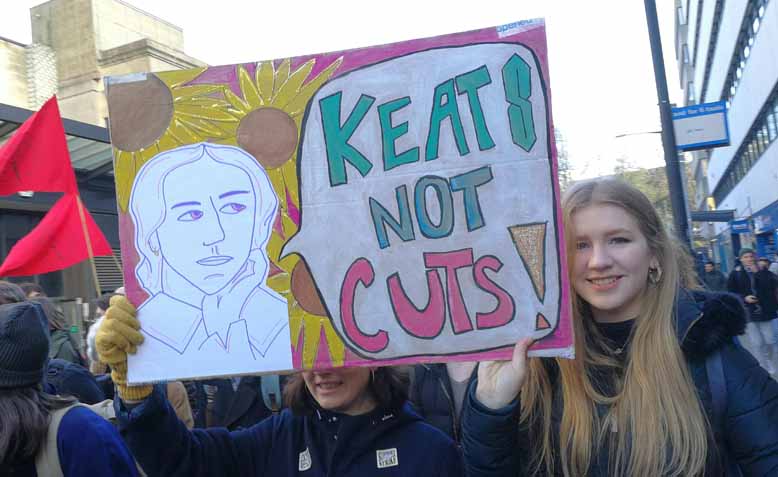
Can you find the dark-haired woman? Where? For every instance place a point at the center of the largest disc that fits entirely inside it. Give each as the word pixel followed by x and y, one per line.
pixel 344 422
pixel 61 343
pixel 41 434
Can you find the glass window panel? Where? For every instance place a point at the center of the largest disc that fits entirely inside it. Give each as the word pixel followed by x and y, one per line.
pixel 772 126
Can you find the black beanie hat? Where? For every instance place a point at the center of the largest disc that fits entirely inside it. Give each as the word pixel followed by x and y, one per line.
pixel 24 345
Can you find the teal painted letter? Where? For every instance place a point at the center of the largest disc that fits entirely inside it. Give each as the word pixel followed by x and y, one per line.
pixel 336 137
pixel 468 83
pixel 444 106
pixel 517 81
pixel 469 183
pixel 390 134
pixel 382 218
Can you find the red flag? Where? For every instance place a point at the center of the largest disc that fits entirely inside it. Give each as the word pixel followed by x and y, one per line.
pixel 36 157
pixel 57 242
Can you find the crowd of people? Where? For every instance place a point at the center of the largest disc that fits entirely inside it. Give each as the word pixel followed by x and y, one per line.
pixel 659 386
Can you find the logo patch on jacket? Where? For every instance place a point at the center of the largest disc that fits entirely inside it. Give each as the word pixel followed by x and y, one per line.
pixel 305 460
pixel 386 458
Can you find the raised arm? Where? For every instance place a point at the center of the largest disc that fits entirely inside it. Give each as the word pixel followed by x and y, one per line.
pixel 158 439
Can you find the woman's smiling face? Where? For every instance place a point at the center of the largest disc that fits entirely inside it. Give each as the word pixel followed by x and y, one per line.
pixel 208 229
pixel 610 262
pixel 343 390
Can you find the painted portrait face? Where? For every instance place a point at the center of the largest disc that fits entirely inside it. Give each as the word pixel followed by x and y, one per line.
pixel 611 261
pixel 208 230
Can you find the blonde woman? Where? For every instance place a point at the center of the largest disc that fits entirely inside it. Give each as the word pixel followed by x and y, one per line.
pixel 657 387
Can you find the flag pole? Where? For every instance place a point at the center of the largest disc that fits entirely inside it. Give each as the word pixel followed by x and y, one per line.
pixel 88 244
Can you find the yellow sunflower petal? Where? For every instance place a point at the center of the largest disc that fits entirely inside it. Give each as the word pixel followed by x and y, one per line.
pixel 183 134
pixel 167 142
pixel 290 89
pixel 289 173
pixel 297 103
pixel 185 92
pixel 295 323
pixel 207 113
pixel 124 172
pixel 204 102
pixel 311 336
pixel 265 81
pixel 335 346
pixel 280 282
pixel 274 245
pixel 205 128
pixel 250 93
pixel 282 74
pixel 178 77
pixel 277 181
pixel 237 103
pixel 290 228
pixel 288 262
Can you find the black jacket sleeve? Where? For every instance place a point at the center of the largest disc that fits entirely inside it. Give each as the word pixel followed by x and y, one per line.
pixel 163 446
pixel 489 438
pixel 751 425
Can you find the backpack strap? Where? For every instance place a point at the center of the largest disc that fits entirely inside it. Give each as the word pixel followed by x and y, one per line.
pixel 271 391
pixel 717 383
pixel 47 460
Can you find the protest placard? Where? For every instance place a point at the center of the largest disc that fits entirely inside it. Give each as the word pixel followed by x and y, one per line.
pixel 378 206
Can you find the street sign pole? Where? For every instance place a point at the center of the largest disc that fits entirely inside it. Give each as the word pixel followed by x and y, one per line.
pixel 672 165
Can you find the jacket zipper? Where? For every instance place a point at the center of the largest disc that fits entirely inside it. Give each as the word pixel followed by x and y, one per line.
pixel 689 328
pixel 452 409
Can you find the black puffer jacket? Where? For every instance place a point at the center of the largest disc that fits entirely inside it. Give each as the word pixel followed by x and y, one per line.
pixel 494 445
pixel 433 397
pixel 765 288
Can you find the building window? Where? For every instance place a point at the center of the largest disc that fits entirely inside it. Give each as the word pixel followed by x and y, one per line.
pixel 690 96
pixel 772 126
pixel 752 20
pixel 763 132
pixel 714 36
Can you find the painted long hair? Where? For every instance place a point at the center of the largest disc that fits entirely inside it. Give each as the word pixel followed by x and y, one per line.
pixel 148 215
pixel 660 425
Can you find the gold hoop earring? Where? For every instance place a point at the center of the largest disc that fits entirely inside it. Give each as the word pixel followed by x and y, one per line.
pixel 654 275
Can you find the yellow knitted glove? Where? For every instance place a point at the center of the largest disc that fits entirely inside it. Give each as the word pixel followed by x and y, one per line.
pixel 118 335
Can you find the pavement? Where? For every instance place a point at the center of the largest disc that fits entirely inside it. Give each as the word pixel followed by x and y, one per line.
pixel 750 347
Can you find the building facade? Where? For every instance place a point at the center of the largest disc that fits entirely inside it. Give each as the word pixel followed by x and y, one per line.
pixel 726 50
pixel 75 44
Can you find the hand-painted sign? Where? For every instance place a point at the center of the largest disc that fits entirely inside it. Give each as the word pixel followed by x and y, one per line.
pixel 385 205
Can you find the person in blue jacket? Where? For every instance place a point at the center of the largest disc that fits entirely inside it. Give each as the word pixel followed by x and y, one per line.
pixel 657 386
pixel 345 422
pixel 80 443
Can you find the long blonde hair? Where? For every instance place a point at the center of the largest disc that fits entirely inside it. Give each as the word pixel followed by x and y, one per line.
pixel 660 427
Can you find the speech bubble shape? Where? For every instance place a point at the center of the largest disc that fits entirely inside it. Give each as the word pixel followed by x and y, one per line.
pixel 426 193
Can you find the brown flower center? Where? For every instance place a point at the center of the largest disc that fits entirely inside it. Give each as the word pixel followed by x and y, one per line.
pixel 268 134
pixel 304 290
pixel 140 112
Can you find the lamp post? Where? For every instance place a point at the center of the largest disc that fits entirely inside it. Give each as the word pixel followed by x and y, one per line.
pixel 672 165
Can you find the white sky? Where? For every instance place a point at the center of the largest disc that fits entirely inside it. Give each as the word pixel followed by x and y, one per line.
pixel 600 63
